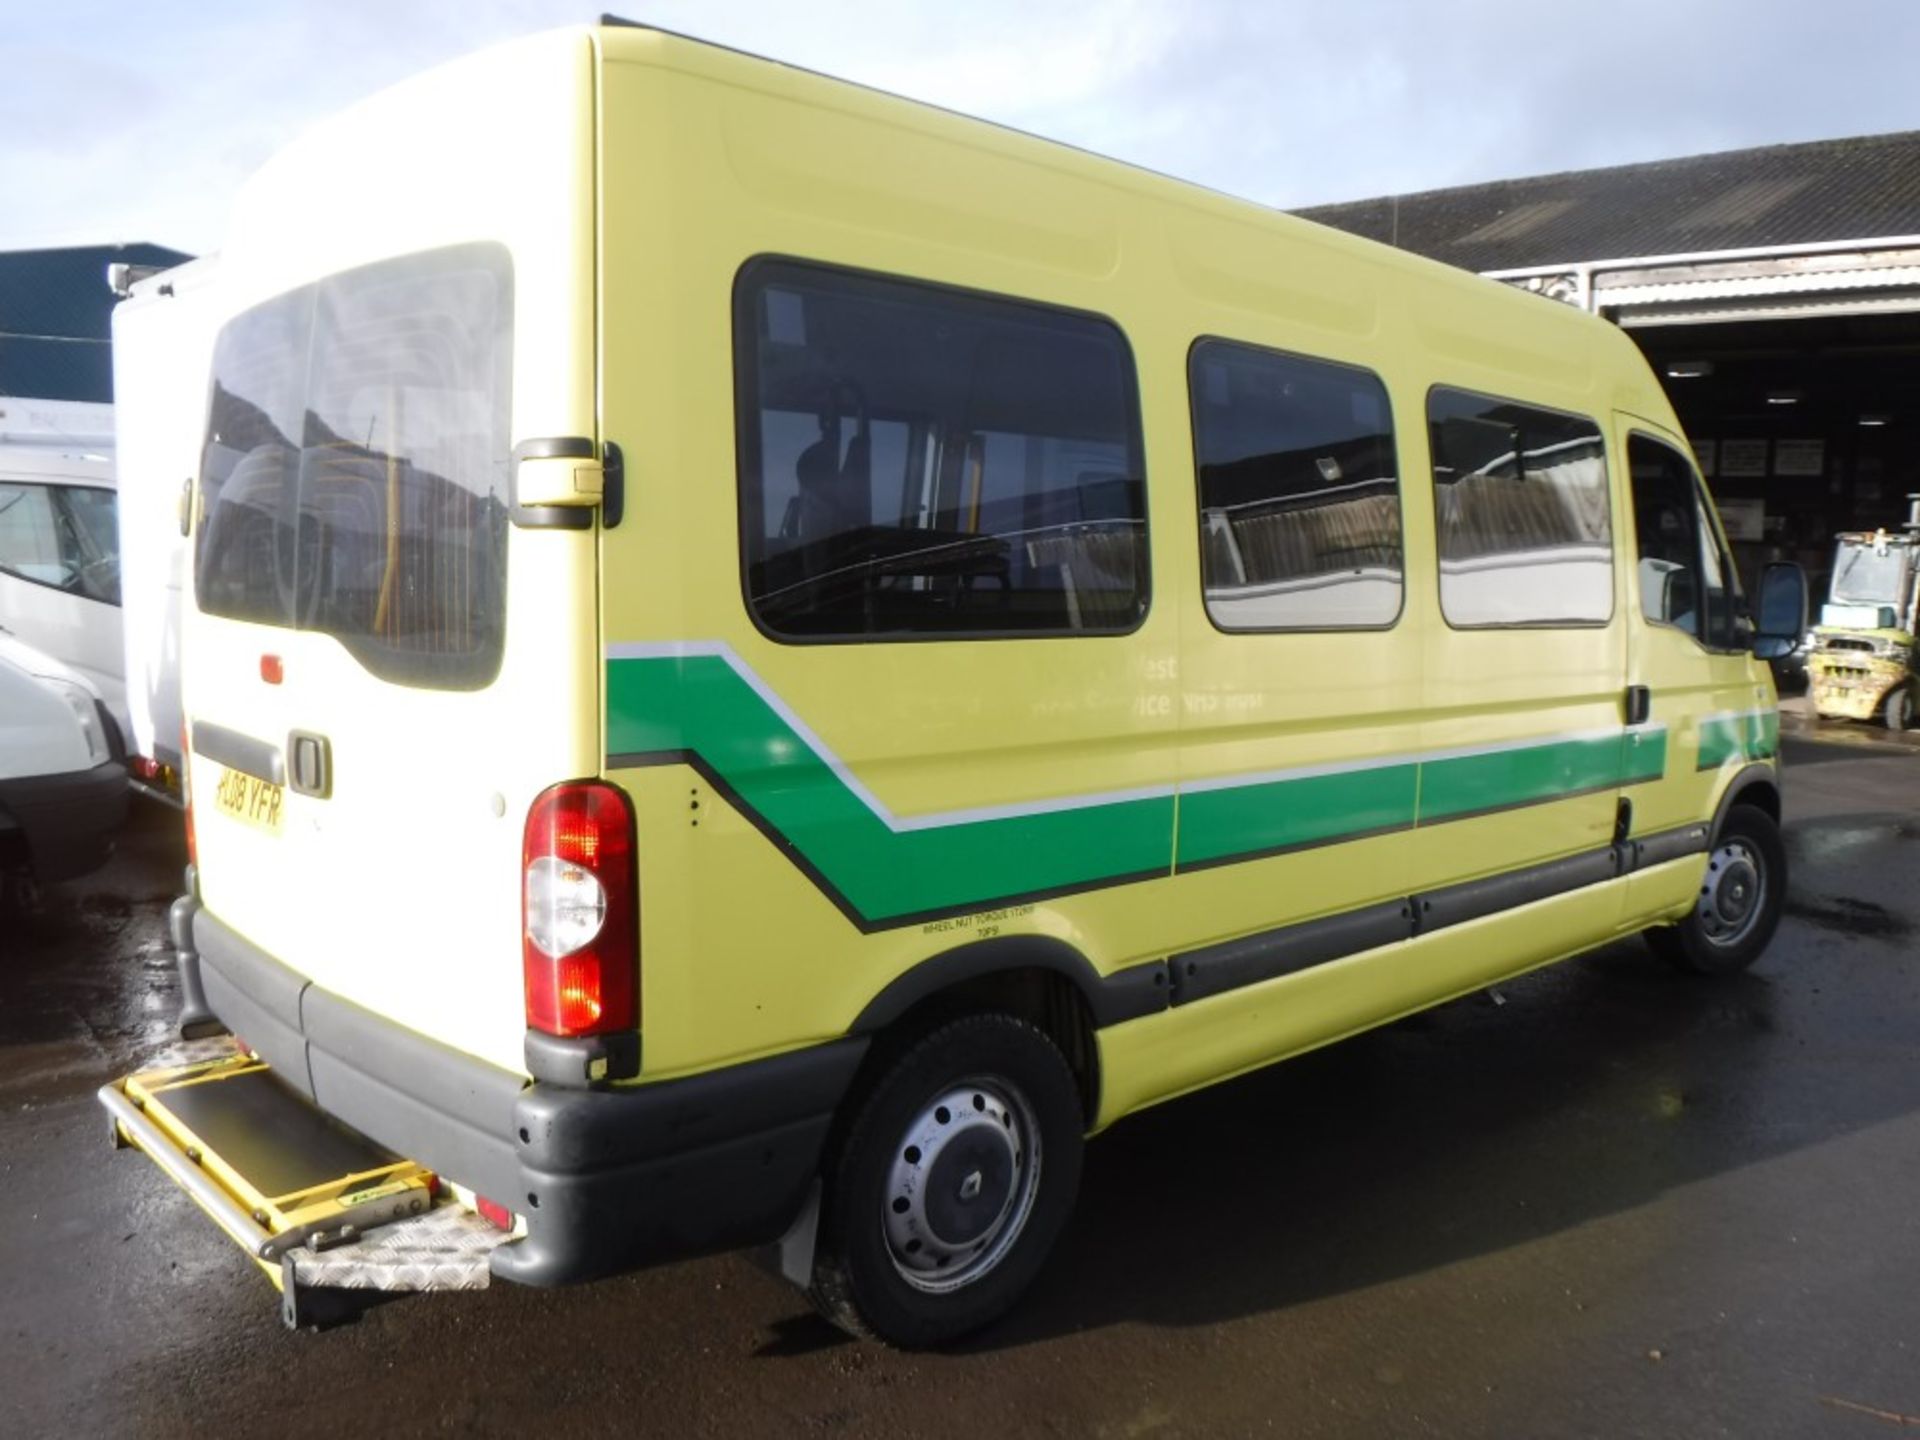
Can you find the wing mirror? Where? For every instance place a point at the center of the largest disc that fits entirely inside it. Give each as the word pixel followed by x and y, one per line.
pixel 1782 611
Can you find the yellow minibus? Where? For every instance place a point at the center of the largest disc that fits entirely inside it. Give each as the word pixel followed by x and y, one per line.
pixel 762 660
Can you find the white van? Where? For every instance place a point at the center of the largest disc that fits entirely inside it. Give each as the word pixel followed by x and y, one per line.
pixel 60 563
pixel 162 350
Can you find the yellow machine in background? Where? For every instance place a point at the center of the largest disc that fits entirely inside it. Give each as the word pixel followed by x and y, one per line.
pixel 1862 661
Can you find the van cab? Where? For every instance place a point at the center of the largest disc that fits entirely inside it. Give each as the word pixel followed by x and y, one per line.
pixel 762 660
pixel 60 563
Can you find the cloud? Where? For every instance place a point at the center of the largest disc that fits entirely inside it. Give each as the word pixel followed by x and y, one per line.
pixel 122 130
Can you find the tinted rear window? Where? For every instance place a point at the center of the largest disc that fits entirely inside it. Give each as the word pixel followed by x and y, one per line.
pixel 355 475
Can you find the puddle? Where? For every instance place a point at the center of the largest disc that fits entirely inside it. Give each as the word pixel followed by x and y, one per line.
pixel 1844 839
pixel 1848 916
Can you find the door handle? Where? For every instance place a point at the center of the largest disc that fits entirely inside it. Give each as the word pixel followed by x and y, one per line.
pixel 310 767
pixel 1639 704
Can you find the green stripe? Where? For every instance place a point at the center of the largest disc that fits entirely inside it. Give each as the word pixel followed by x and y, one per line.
pixel 1751 735
pixel 678 704
pixel 1456 785
pixel 1260 818
pixel 698 703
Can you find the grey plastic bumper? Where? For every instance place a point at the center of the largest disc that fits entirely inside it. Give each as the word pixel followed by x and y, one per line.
pixel 68 820
pixel 608 1179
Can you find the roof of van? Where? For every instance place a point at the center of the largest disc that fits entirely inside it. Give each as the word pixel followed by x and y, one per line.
pixel 676 50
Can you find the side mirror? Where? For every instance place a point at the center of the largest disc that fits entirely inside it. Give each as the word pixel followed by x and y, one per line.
pixel 1782 611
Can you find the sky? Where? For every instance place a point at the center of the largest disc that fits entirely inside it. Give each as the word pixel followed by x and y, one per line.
pixel 138 121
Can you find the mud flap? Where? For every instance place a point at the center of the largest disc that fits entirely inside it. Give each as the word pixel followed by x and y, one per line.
pixel 319 1208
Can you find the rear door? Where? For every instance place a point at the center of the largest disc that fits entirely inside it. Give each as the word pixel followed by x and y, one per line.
pixel 351 642
pixel 412 293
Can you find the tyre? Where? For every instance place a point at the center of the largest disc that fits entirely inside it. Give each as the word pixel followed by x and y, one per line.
pixel 1899 711
pixel 956 1175
pixel 1741 894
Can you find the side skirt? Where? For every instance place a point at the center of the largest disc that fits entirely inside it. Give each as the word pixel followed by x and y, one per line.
pixel 1290 949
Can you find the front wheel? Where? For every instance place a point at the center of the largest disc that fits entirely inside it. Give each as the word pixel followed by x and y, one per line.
pixel 1740 899
pixel 1899 711
pixel 957 1173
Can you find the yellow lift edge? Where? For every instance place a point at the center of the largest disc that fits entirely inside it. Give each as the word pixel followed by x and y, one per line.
pixel 313 1204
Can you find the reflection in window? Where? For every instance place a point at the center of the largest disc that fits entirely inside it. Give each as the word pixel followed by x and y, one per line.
pixel 1686 577
pixel 1726 606
pixel 354 479
pixel 1521 509
pixel 919 461
pixel 1299 495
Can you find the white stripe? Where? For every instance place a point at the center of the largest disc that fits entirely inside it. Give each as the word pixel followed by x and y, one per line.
pixel 824 753
pixel 690 649
pixel 1733 715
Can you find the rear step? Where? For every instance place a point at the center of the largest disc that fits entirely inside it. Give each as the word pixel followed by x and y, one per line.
pixel 319 1207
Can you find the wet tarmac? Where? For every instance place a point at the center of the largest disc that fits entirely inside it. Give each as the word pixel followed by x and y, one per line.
pixel 1619 1203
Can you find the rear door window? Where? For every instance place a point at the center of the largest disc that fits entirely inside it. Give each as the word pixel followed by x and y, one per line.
pixel 355 475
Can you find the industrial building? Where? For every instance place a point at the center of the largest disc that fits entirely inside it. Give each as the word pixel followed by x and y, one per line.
pixel 1776 290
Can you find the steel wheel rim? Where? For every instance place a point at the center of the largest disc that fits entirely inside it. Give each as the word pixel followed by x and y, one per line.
pixel 962 1185
pixel 1733 894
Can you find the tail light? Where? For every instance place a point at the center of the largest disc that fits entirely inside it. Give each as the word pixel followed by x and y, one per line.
pixel 580 912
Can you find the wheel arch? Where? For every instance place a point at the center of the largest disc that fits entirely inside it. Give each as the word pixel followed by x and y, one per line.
pixel 1757 785
pixel 1038 978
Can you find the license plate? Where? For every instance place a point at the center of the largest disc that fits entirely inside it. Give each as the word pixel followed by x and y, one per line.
pixel 250 799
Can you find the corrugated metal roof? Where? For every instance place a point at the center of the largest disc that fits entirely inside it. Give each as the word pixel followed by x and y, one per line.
pixel 1777 195
pixel 55 318
pixel 1886 277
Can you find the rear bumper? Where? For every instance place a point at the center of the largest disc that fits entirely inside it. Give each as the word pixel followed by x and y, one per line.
pixel 607 1179
pixel 68 820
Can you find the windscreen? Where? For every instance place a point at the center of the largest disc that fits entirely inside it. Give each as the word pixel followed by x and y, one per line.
pixel 354 480
pixel 62 536
pixel 1863 575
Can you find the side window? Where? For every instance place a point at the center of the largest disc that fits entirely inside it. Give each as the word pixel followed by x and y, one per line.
pixel 920 461
pixel 64 536
pixel 1666 534
pixel 1299 492
pixel 1686 577
pixel 1521 509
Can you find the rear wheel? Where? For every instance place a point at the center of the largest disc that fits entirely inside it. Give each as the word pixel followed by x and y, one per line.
pixel 957 1173
pixel 1741 894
